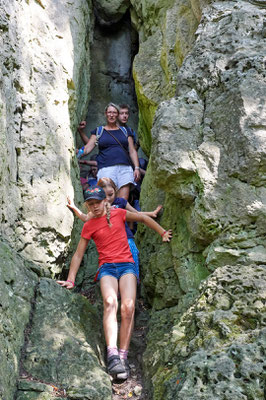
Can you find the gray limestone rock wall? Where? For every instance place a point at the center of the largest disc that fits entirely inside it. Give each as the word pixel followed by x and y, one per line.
pixel 64 344
pixel 17 289
pixel 208 165
pixel 216 349
pixel 200 83
pixel 51 340
pixel 45 84
pixel 44 90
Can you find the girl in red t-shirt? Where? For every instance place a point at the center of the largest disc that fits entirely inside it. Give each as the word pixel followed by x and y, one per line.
pixel 117 202
pixel 117 271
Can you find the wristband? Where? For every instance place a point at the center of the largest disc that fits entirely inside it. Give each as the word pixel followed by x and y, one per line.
pixel 162 234
pixel 137 168
pixel 71 282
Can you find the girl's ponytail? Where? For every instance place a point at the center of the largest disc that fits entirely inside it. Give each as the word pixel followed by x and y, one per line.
pixel 108 214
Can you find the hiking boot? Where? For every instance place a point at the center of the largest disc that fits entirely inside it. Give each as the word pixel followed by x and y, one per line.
pixel 114 365
pixel 126 374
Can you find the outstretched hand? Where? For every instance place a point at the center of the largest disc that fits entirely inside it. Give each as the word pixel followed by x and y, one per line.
pixel 67 284
pixel 70 204
pixel 156 211
pixel 167 236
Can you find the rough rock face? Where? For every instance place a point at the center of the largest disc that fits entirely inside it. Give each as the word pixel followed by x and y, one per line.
pixel 17 286
pixel 64 345
pixel 49 336
pixel 216 349
pixel 44 89
pixel 166 31
pixel 110 12
pixel 208 155
pixel 200 82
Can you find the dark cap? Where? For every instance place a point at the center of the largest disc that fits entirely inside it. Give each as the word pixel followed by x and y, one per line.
pixel 95 192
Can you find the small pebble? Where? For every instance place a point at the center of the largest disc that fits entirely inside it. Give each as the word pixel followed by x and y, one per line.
pixel 137 390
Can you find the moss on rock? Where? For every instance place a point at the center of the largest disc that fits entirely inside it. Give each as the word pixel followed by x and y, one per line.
pixel 214 350
pixel 17 288
pixel 65 343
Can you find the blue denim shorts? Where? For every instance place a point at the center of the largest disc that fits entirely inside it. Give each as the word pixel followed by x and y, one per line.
pixel 135 254
pixel 117 270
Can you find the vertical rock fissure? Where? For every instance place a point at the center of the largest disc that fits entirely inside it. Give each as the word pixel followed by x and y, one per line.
pixel 27 333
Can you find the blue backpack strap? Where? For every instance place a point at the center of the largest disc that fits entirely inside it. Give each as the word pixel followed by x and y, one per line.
pixel 124 130
pixel 99 132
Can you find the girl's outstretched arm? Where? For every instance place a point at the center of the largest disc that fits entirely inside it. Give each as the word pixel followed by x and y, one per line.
pixel 74 265
pixel 138 217
pixel 152 214
pixel 76 211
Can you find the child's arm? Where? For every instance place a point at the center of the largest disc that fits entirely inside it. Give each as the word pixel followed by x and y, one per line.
pixel 74 265
pixel 88 162
pixel 152 214
pixel 76 211
pixel 138 217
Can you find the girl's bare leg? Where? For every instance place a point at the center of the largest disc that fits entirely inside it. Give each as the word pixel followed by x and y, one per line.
pixel 109 290
pixel 128 288
pixel 124 191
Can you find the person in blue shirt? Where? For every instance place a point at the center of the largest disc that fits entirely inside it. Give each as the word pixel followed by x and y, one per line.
pixel 117 158
pixel 123 116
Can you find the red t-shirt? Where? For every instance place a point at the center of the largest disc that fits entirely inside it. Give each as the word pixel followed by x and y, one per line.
pixel 111 243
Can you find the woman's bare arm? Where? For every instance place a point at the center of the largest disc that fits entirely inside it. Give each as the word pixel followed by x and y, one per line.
pixel 134 157
pixel 90 145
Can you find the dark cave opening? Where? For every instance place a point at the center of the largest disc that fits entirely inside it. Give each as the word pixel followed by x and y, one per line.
pixel 112 53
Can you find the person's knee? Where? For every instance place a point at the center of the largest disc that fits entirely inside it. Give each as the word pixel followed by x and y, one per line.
pixel 127 309
pixel 110 304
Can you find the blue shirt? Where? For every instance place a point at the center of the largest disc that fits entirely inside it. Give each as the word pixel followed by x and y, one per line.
pixel 131 131
pixel 110 152
pixel 92 181
pixel 119 202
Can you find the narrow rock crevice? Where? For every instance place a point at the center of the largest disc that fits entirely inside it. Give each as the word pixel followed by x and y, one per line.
pixel 112 53
pixel 23 373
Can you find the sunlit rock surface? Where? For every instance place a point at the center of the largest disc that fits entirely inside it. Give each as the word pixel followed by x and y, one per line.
pixel 64 346
pixel 45 67
pixel 216 349
pixel 109 12
pixel 200 83
pixel 208 157
pixel 166 32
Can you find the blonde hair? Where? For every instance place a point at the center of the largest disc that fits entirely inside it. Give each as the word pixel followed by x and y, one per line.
pixel 105 182
pixel 108 214
pixel 112 105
